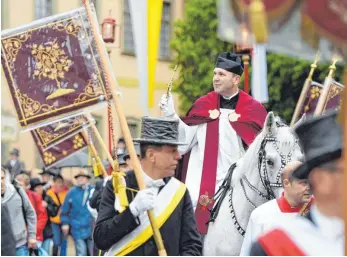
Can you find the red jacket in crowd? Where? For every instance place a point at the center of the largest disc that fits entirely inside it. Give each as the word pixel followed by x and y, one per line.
pixel 41 213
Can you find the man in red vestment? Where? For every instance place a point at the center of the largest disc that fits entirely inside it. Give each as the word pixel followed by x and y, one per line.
pixel 218 129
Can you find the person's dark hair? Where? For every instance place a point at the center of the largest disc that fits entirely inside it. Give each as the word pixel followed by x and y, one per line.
pixel 145 147
pixel 121 140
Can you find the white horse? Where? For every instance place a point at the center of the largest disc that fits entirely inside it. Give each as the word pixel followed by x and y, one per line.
pixel 252 181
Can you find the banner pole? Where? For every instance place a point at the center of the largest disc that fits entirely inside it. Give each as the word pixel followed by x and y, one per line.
pixel 94 151
pixel 325 91
pixel 304 90
pixel 112 84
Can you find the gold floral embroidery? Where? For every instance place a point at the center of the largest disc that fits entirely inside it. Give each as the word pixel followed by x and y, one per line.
pixel 91 90
pixel 52 63
pixel 314 93
pixel 46 136
pixel 334 91
pixel 12 47
pixel 30 106
pixel 78 142
pixel 70 27
pixel 49 157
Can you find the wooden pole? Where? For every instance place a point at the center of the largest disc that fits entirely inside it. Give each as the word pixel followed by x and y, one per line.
pixel 325 91
pixel 112 84
pixel 100 140
pixel 93 149
pixel 304 90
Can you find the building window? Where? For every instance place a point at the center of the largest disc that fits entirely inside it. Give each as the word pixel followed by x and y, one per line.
pixel 128 30
pixel 43 8
pixel 164 50
pixel 134 125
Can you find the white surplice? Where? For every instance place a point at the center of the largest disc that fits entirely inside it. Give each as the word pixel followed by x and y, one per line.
pixel 230 150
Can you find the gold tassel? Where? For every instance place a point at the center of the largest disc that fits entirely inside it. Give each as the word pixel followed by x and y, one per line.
pixel 97 166
pixel 119 188
pixel 258 21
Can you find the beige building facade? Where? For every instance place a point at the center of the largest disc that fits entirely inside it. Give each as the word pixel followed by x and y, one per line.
pixel 18 12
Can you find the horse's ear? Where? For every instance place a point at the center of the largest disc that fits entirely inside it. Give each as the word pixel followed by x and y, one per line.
pixel 270 124
pixel 302 119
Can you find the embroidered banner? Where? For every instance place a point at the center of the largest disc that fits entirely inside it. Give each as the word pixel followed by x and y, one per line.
pixel 334 96
pixel 53 68
pixel 60 151
pixel 311 99
pixel 57 132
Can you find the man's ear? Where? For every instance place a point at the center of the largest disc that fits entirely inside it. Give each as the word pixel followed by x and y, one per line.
pixel 237 79
pixel 285 183
pixel 150 155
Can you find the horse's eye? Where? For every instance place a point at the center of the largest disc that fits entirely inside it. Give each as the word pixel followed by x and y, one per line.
pixel 269 162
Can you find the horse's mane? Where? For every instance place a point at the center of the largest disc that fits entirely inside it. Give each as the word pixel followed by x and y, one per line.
pixel 250 159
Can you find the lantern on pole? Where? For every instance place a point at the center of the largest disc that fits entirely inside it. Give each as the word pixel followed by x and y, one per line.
pixel 108 29
pixel 245 50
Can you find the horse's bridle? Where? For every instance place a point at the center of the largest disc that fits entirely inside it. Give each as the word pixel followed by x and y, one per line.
pixel 264 176
pixel 263 172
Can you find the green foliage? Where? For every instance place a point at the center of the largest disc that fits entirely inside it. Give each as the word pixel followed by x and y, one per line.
pixel 196 46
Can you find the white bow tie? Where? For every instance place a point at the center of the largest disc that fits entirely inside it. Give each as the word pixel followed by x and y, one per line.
pixel 156 183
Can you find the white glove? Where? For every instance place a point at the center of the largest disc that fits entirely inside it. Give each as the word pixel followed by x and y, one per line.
pixel 143 201
pixel 166 105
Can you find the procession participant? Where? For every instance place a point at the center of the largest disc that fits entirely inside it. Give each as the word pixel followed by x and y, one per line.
pixel 36 201
pixel 218 128
pixel 75 216
pixel 14 163
pixel 128 232
pixel 321 232
pixel 21 212
pixel 295 200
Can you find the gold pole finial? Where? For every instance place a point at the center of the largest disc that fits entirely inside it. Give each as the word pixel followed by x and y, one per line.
pixel 336 58
pixel 314 65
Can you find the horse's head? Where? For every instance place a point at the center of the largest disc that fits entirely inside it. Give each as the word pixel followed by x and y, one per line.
pixel 278 147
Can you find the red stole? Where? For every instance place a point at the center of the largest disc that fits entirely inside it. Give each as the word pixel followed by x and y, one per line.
pixel 248 125
pixel 285 206
pixel 278 243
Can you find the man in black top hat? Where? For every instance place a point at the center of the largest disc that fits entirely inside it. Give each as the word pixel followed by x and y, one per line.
pixel 321 232
pixel 15 165
pixel 128 231
pixel 218 128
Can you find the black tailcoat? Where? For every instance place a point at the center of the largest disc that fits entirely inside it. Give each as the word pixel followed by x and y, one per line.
pixel 179 232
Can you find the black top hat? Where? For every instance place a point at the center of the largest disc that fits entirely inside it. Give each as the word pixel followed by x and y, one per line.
pixel 137 149
pixel 34 182
pixel 230 62
pixel 321 141
pixel 15 151
pixel 159 131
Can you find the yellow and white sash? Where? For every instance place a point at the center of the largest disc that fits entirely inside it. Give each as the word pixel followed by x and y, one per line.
pixel 165 203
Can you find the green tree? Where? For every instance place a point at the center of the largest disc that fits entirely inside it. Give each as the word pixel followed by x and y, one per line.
pixel 196 46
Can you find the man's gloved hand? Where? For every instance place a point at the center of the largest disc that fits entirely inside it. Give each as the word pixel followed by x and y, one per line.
pixel 143 201
pixel 166 105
